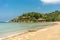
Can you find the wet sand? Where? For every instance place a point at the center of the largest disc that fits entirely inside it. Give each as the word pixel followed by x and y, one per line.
pixel 49 33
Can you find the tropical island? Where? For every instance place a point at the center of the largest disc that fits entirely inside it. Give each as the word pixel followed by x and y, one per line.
pixel 35 19
pixel 47 33
pixel 29 19
pixel 38 17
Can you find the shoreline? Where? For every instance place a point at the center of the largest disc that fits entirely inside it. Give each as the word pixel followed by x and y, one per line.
pixel 34 30
pixel 13 35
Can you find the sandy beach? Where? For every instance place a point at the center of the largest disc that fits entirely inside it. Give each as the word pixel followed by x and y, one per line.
pixel 49 33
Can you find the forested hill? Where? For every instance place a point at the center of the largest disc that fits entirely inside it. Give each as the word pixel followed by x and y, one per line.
pixel 34 16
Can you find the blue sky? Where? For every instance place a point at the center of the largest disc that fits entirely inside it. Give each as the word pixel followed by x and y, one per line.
pixel 12 8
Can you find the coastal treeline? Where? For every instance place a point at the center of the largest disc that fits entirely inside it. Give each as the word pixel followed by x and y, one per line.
pixel 35 16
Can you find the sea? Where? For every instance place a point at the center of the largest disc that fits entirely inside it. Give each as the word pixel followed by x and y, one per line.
pixel 10 28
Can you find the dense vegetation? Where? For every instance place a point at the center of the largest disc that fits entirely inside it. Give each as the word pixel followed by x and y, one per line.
pixel 34 16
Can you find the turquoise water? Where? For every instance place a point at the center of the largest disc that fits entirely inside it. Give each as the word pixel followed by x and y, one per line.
pixel 11 28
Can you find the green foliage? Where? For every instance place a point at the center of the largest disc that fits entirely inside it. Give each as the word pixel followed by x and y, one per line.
pixel 34 16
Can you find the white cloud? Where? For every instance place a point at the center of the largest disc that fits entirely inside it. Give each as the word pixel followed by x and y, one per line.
pixel 50 1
